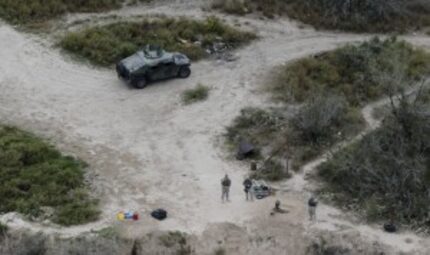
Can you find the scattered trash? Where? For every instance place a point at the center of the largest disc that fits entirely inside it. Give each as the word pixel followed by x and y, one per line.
pixel 261 189
pixel 245 150
pixel 159 214
pixel 127 216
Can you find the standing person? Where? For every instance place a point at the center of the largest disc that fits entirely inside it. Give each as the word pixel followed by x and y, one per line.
pixel 248 191
pixel 312 204
pixel 225 185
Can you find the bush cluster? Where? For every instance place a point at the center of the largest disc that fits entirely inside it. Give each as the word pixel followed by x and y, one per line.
pixel 329 90
pixel 268 8
pixel 257 126
pixel 362 15
pixel 354 15
pixel 29 11
pixel 319 123
pixel 34 175
pixel 177 240
pixel 322 121
pixel 272 170
pixel 199 93
pixel 105 45
pixel 387 173
pixel 353 71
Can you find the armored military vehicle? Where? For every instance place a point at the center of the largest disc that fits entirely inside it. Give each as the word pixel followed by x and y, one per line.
pixel 153 63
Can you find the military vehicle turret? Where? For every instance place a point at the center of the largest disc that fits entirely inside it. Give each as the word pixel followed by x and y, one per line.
pixel 153 63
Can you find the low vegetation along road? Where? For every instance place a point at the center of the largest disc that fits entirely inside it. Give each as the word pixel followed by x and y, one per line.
pixel 148 150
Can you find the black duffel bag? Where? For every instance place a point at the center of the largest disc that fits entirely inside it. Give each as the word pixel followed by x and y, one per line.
pixel 159 214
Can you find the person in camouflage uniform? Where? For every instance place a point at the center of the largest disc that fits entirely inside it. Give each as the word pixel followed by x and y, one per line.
pixel 225 187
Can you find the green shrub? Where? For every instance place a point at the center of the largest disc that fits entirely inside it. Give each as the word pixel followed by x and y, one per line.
pixel 178 240
pixel 105 45
pixel 354 72
pixel 196 94
pixel 386 173
pixel 35 175
pixel 30 11
pixel 239 7
pixel 354 15
pixel 108 232
pixel 322 121
pixel 361 15
pixel 173 238
pixel 3 229
pixel 268 8
pixel 271 171
pixel 220 251
pixel 256 126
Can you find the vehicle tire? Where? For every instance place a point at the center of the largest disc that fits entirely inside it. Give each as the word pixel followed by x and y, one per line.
pixel 141 83
pixel 184 72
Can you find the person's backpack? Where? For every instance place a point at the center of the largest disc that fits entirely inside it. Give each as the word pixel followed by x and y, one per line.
pixel 248 184
pixel 226 182
pixel 312 202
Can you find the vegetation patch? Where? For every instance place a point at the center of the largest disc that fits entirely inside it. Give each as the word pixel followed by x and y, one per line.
pixel 199 93
pixel 108 232
pixel 30 11
pixel 322 96
pixel 362 16
pixel 268 8
pixel 386 175
pixel 302 135
pixel 257 126
pixel 320 123
pixel 33 12
pixel 3 229
pixel 355 72
pixel 35 176
pixel 220 251
pixel 178 240
pixel 271 170
pixel 105 45
pixel 354 15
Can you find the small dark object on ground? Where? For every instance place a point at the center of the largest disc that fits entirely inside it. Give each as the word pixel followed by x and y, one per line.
pixel 159 214
pixel 245 150
pixel 390 227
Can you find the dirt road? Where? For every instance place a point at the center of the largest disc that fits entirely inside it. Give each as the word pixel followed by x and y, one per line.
pixel 145 148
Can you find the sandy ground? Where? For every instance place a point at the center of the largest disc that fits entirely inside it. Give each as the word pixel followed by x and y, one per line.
pixel 145 148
